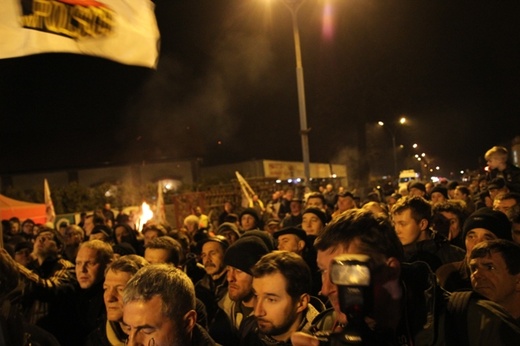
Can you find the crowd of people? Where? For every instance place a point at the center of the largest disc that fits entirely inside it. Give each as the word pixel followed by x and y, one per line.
pixel 442 262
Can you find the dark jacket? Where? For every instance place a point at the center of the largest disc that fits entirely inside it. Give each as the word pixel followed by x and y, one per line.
pixel 425 318
pixel 511 175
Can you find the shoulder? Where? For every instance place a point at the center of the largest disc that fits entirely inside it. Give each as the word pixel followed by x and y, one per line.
pixel 324 321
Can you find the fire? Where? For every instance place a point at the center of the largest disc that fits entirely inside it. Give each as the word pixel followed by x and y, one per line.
pixel 145 215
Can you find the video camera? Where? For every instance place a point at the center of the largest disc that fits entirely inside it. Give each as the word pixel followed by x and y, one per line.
pixel 351 274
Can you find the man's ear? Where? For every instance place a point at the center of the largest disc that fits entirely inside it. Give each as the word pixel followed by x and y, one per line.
pixel 303 302
pixel 190 319
pixel 301 245
pixel 423 224
pixel 517 283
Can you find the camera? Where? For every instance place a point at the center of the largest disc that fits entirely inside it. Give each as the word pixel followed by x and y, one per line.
pixel 351 274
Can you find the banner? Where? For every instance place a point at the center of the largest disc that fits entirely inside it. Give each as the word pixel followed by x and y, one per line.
pixel 120 30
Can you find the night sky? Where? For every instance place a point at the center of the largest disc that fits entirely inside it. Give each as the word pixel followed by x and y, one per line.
pixel 225 87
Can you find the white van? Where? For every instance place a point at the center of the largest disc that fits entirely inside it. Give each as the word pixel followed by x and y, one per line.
pixel 407 176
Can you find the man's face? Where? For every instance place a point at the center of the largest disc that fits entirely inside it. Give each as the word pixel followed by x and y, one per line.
pixel 113 286
pixel 247 222
pixel 345 203
pixel 239 284
pixel 477 235
pixel 437 197
pixel 28 228
pixel 296 207
pixel 88 269
pixel 149 236
pixel 311 223
pixel 72 238
pixel 156 256
pixel 494 162
pixel 230 236
pixel 458 194
pixel 88 225
pixel 275 311
pixel 387 292
pixel 416 192
pixel 144 321
pixel 504 205
pixel 407 229
pixel 491 278
pixel 213 258
pixel 121 232
pixel 314 202
pixel 45 245
pixel 455 228
pixel 290 242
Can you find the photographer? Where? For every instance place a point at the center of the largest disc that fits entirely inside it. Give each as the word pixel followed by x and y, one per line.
pixel 407 307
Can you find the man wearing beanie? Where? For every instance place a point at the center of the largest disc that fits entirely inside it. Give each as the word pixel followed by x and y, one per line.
pixel 239 302
pixel 313 220
pixel 249 220
pixel 484 224
pixel 439 194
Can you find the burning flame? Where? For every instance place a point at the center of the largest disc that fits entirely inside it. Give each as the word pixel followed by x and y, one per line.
pixel 145 215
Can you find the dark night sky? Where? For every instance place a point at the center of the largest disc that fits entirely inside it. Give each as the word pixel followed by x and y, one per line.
pixel 227 73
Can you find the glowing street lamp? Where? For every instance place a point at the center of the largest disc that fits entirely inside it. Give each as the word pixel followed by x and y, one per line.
pixel 392 132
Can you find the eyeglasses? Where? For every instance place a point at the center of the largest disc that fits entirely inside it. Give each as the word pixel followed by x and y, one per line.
pixel 151 342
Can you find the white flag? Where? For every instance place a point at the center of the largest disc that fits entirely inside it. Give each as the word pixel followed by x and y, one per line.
pixel 159 214
pixel 49 206
pixel 120 30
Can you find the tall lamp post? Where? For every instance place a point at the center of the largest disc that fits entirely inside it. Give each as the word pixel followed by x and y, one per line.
pixel 392 132
pixel 294 6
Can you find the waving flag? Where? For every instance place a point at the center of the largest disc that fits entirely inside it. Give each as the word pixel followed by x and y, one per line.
pixel 49 206
pixel 120 30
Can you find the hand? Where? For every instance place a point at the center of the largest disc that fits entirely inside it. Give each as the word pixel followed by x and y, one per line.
pixel 303 339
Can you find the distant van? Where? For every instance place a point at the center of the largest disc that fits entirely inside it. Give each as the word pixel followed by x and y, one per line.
pixel 407 176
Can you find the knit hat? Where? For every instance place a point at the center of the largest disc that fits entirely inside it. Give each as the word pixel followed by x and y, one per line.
pixel 217 239
pixel 318 212
pixel 244 253
pixel 440 189
pixel 300 233
pixel 251 212
pixel 417 185
pixel 228 226
pixel 265 237
pixel 492 220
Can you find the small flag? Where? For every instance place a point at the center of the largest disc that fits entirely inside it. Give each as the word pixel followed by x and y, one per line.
pixel 160 216
pixel 49 206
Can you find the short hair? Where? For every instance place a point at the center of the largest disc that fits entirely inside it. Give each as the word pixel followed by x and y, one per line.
pixel 464 189
pixel 76 230
pixel 104 252
pixel 172 285
pixel 172 246
pixel 158 228
pixel 292 266
pixel 497 151
pixel 508 195
pixel 128 264
pixel 316 195
pixel 509 251
pixel 375 233
pixel 454 206
pixel 419 207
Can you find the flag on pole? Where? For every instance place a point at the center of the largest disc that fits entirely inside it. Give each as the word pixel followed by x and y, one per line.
pixel 49 206
pixel 247 191
pixel 122 31
pixel 159 214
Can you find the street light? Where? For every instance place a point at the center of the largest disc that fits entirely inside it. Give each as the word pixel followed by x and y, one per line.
pixel 294 6
pixel 392 132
